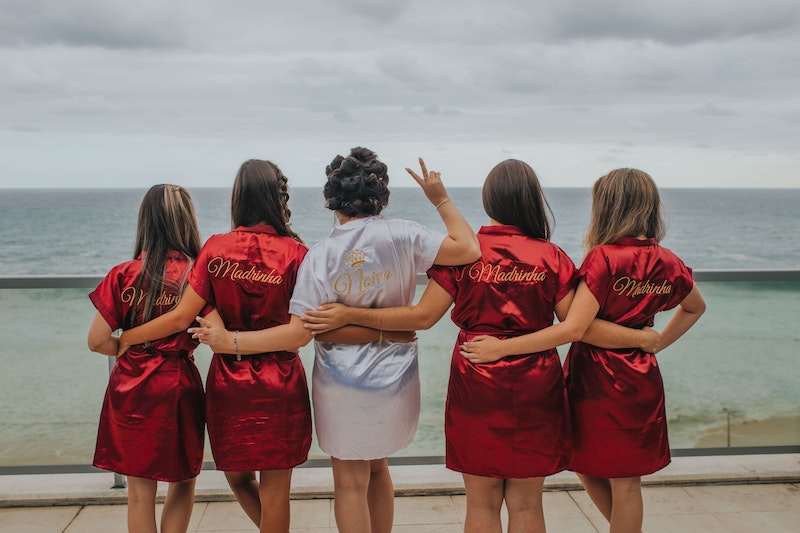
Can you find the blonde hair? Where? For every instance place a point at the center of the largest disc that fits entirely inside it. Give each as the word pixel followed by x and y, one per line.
pixel 625 203
pixel 167 222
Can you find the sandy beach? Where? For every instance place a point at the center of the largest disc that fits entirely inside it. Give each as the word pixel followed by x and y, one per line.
pixel 778 431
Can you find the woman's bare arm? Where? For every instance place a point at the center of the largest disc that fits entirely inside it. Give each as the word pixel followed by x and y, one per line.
pixel 176 320
pixel 432 305
pixel 685 316
pixel 101 338
pixel 461 245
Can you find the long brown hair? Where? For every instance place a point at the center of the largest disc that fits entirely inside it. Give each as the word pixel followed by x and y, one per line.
pixel 261 195
pixel 512 195
pixel 625 203
pixel 166 223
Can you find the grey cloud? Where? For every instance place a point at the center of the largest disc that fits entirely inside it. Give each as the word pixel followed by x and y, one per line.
pixel 678 22
pixel 712 110
pixel 84 105
pixel 437 111
pixel 380 11
pixel 145 24
pixel 408 69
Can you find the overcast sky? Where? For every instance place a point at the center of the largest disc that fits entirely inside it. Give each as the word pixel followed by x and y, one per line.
pixel 107 93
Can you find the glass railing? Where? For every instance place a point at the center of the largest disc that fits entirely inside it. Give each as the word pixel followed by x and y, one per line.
pixel 732 383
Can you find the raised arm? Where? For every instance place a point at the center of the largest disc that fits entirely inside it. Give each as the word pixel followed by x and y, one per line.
pixel 101 338
pixel 178 319
pixel 687 313
pixel 432 305
pixel 461 245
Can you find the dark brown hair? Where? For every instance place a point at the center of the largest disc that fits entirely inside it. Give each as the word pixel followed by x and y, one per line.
pixel 261 195
pixel 512 195
pixel 357 185
pixel 166 222
pixel 625 203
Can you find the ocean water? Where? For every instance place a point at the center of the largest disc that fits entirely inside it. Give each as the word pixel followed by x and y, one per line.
pixel 739 359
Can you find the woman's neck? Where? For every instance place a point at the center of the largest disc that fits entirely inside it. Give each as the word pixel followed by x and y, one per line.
pixel 344 219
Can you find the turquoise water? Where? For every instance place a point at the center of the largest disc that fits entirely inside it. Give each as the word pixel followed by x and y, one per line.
pixel 740 357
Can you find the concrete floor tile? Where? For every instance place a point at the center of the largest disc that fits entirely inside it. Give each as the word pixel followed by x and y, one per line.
pixel 224 516
pixel 197 514
pixel 428 528
pixel 710 468
pixel 425 510
pixel 585 505
pixel 598 523
pixel 559 506
pixel 100 519
pixel 37 519
pixel 571 525
pixel 689 523
pixel 771 466
pixel 669 501
pixel 743 498
pixel 772 521
pixel 460 505
pixel 312 514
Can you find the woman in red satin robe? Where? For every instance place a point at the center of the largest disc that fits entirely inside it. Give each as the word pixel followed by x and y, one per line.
pixel 258 409
pixel 616 395
pixel 151 425
pixel 506 423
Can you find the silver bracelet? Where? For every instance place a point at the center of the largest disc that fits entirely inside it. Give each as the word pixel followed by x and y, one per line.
pixel 236 345
pixel 440 204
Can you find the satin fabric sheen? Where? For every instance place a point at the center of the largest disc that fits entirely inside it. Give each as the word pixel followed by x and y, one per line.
pixel 617 396
pixel 366 396
pixel 151 424
pixel 507 419
pixel 258 410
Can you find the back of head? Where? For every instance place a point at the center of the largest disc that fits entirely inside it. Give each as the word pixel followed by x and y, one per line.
pixel 358 185
pixel 261 196
pixel 625 203
pixel 512 195
pixel 167 222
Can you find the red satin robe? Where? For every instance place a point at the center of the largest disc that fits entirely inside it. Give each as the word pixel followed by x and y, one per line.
pixel 151 425
pixel 258 411
pixel 507 419
pixel 617 396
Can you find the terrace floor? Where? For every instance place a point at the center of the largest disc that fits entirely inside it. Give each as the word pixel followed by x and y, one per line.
pixel 694 494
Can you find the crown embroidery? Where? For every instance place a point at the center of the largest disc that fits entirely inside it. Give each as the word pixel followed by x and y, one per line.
pixel 356 258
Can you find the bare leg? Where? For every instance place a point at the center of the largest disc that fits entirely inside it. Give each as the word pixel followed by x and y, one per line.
pixel 599 490
pixel 627 510
pixel 524 503
pixel 178 507
pixel 141 505
pixel 350 488
pixel 245 488
pixel 484 500
pixel 380 496
pixel 274 493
